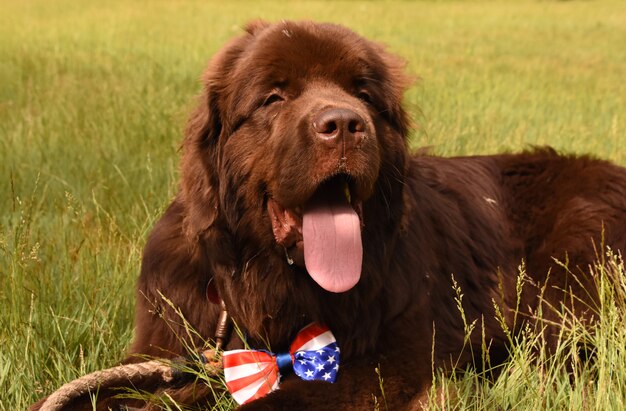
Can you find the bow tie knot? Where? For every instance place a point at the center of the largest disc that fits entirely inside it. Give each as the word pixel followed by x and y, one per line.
pixel 251 374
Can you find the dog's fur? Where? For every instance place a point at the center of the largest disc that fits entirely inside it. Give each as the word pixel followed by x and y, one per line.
pixel 428 222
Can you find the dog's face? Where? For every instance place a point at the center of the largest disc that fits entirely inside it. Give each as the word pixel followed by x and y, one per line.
pixel 300 125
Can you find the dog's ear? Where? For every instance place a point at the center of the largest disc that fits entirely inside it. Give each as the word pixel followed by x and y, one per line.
pixel 200 163
pixel 398 82
pixel 255 26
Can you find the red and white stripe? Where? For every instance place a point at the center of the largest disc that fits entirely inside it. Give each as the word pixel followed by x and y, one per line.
pixel 249 374
pixel 311 338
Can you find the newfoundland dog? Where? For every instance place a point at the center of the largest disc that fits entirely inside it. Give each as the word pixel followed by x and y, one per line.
pixel 299 203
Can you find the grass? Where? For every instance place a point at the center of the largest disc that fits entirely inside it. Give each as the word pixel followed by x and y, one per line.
pixel 93 98
pixel 533 380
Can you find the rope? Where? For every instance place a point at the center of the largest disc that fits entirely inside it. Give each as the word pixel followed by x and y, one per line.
pixel 111 377
pixel 131 374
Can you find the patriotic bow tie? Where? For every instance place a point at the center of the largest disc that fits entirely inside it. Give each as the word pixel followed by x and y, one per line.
pixel 251 374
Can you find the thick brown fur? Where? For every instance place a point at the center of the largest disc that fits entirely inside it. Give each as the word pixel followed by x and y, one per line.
pixel 426 221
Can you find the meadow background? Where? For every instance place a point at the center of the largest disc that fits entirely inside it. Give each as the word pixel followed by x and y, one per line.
pixel 94 95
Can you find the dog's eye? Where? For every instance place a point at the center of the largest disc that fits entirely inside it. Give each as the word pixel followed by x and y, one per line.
pixel 365 96
pixel 273 98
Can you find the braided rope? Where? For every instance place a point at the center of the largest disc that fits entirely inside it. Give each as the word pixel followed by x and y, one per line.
pixel 123 375
pixel 111 377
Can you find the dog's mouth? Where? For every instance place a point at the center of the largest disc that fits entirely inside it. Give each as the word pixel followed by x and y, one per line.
pixel 323 234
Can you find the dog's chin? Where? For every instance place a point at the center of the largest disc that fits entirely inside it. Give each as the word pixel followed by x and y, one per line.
pixel 323 234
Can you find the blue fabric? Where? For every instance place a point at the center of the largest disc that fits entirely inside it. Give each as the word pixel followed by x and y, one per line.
pixel 322 364
pixel 283 361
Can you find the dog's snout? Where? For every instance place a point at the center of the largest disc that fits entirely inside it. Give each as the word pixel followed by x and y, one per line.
pixel 339 127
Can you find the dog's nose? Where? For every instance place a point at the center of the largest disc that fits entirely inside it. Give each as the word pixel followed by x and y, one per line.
pixel 339 127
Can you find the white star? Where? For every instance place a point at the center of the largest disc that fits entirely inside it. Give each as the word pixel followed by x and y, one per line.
pixel 303 362
pixel 337 348
pixel 309 373
pixel 336 367
pixel 320 367
pixel 320 352
pixel 331 359
pixel 326 376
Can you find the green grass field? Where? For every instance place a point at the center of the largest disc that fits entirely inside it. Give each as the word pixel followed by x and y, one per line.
pixel 93 98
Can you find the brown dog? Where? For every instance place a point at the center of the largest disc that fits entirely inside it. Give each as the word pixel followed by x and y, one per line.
pixel 299 203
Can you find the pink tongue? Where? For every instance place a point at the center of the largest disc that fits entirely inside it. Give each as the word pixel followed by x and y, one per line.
pixel 333 252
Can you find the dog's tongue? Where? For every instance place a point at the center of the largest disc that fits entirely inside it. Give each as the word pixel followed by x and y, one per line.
pixel 333 252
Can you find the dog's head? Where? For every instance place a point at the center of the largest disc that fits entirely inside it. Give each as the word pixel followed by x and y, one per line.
pixel 296 150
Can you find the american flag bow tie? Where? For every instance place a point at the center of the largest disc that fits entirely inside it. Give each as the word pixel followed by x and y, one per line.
pixel 252 374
